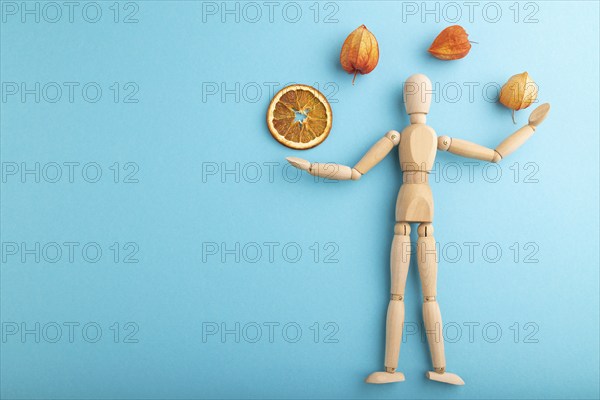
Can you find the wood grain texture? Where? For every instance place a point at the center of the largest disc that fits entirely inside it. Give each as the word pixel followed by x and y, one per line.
pixel 414 203
pixel 468 149
pixel 428 265
pixel 385 377
pixel 393 333
pixel 415 177
pixel 433 327
pixel 514 141
pixel 399 262
pixel 418 147
pixel 417 94
pixel 539 114
pixel 375 154
pixel 331 171
pixel 446 377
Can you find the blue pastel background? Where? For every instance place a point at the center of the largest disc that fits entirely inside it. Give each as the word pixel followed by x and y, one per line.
pixel 180 138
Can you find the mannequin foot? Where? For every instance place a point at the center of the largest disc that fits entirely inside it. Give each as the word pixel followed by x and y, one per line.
pixel 445 377
pixel 385 377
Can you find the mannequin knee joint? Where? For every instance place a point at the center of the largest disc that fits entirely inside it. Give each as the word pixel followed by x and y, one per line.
pixel 425 229
pixel 402 228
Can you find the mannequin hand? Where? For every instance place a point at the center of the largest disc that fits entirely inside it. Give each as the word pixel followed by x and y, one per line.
pixel 327 170
pixel 539 114
pixel 299 163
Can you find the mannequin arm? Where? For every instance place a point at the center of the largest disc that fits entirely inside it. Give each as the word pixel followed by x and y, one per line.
pixel 468 149
pixel 343 172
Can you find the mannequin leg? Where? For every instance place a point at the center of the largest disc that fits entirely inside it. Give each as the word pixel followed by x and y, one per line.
pixel 427 261
pixel 399 263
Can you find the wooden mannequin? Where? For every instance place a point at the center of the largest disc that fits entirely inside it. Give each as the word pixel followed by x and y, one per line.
pixel 418 145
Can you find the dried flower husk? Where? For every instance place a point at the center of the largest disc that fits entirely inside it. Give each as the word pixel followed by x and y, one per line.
pixel 451 44
pixel 519 92
pixel 360 52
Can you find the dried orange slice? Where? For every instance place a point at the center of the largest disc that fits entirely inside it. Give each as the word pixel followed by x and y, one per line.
pixel 299 117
